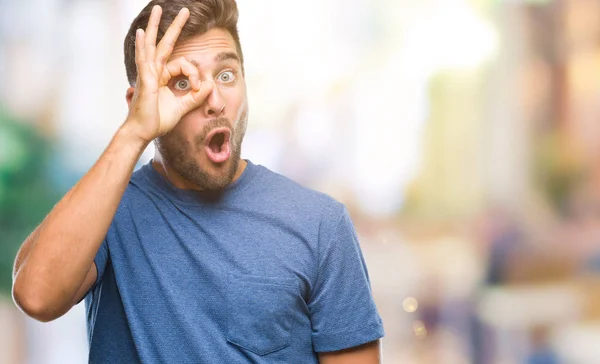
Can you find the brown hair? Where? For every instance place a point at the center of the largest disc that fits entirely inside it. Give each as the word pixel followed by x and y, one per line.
pixel 204 15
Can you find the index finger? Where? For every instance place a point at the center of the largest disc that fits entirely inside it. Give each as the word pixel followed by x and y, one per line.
pixel 167 43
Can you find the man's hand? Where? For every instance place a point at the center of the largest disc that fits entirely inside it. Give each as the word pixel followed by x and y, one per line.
pixel 155 109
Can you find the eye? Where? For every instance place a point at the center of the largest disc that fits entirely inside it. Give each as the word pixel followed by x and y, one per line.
pixel 226 77
pixel 182 85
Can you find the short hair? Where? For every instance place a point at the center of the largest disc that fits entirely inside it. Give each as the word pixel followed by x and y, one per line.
pixel 204 16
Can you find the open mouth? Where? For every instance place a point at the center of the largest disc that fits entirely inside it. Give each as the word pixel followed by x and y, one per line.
pixel 218 146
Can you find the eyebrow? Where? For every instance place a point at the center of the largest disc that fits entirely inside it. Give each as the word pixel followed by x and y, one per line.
pixel 221 57
pixel 224 56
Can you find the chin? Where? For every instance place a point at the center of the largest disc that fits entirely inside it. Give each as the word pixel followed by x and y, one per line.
pixel 209 175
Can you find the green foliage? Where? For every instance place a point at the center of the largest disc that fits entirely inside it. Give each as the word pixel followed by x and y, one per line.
pixel 26 192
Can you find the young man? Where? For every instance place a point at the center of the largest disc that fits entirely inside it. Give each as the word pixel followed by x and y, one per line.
pixel 199 256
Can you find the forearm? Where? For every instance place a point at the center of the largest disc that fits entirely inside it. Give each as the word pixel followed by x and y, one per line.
pixel 54 260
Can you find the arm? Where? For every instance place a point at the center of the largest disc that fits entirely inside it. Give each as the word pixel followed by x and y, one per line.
pixel 369 353
pixel 56 258
pixel 54 267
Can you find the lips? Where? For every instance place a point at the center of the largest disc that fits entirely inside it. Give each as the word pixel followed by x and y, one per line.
pixel 218 146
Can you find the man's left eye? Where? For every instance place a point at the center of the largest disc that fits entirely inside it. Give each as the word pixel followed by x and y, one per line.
pixel 226 77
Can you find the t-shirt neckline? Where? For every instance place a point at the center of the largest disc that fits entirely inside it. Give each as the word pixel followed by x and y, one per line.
pixel 195 196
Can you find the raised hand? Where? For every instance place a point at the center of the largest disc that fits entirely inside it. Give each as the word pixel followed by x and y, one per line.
pixel 155 109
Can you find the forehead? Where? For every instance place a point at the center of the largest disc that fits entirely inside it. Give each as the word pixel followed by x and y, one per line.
pixel 202 48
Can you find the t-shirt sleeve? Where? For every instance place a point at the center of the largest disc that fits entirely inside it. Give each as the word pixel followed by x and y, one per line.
pixel 100 260
pixel 343 313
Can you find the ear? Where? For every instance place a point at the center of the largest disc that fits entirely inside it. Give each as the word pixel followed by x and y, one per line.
pixel 129 96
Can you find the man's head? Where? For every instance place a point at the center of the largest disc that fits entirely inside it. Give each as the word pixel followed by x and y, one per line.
pixel 214 131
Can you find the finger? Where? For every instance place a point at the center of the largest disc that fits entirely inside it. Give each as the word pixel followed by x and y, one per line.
pixel 140 56
pixel 151 31
pixel 167 43
pixel 181 66
pixel 193 99
pixel 140 50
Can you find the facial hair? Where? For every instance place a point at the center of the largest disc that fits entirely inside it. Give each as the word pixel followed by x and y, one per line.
pixel 180 154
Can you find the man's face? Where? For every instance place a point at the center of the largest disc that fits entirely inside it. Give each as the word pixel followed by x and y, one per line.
pixel 205 146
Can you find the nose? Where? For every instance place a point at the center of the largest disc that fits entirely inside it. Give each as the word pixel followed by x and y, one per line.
pixel 214 104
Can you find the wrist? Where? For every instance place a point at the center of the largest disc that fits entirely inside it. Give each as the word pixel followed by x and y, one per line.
pixel 128 135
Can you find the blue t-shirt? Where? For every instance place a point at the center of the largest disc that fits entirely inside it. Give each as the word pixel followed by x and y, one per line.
pixel 265 272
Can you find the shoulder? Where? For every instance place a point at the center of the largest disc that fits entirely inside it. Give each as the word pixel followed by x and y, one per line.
pixel 292 194
pixel 139 189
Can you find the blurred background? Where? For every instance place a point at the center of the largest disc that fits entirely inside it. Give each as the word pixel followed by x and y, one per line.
pixel 463 136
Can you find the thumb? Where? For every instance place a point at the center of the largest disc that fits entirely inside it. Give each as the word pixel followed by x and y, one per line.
pixel 193 99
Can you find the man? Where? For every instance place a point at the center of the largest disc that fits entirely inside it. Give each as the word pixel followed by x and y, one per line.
pixel 199 256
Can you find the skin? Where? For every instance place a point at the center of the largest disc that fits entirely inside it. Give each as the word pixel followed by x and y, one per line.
pixel 180 157
pixel 54 268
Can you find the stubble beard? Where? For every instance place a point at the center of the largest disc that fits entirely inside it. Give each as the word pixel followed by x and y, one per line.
pixel 180 155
